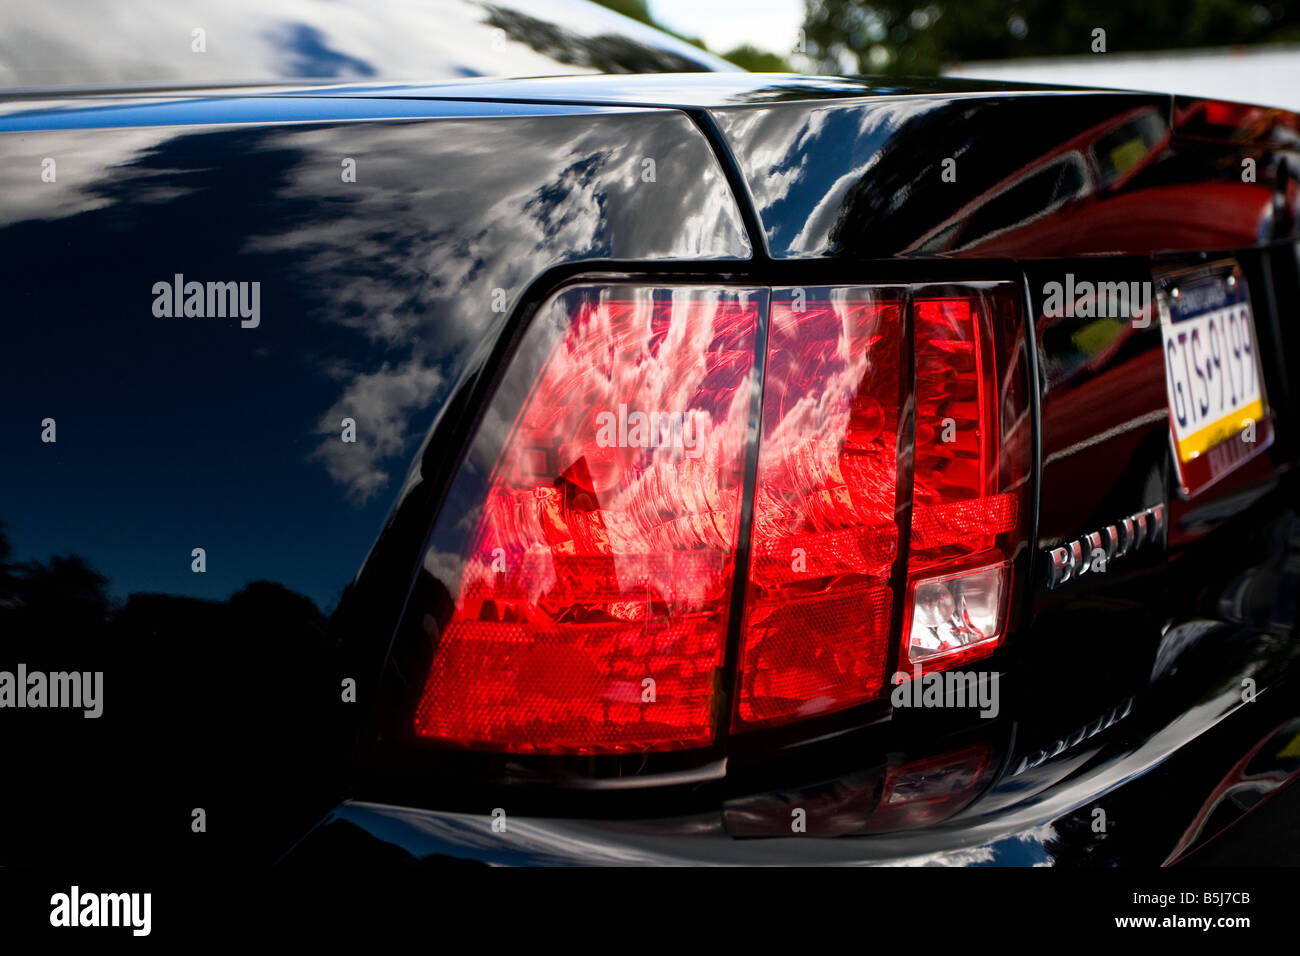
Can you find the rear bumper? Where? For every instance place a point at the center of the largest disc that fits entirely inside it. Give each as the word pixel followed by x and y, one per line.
pixel 1139 792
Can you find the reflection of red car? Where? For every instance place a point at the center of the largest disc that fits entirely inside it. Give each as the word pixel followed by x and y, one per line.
pixel 1257 775
pixel 1077 202
pixel 1224 215
pixel 1104 158
pixel 1243 123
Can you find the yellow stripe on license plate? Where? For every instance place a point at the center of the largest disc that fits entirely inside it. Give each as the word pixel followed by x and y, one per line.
pixel 1227 427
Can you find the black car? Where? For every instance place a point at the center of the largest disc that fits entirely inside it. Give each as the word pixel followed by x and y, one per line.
pixel 494 432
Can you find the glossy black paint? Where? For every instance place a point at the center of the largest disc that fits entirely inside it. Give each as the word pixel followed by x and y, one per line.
pixel 1103 683
pixel 1026 176
pixel 1122 691
pixel 379 300
pixel 87 45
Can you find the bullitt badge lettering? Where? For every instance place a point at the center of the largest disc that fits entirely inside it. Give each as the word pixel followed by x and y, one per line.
pixel 1094 550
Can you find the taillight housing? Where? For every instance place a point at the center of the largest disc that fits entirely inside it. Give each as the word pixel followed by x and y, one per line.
pixel 689 510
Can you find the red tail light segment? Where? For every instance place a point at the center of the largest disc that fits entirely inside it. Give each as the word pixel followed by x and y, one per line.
pixel 970 473
pixel 584 563
pixel 592 606
pixel 824 539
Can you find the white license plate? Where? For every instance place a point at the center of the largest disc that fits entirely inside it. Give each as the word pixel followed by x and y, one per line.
pixel 1218 412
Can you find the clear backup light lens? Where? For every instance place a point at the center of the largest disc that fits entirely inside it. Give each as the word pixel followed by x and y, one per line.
pixel 954 613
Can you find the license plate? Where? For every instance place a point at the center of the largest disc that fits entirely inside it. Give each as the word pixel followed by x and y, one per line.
pixel 1218 411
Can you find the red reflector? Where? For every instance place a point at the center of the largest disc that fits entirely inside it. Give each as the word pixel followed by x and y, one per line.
pixel 957 523
pixel 824 539
pixel 590 609
pixel 815 654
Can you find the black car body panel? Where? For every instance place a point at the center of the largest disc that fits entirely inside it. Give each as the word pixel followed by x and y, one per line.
pixel 81 44
pixel 394 298
pixel 380 300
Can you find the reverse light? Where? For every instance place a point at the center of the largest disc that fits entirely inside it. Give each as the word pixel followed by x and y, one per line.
pixel 957 612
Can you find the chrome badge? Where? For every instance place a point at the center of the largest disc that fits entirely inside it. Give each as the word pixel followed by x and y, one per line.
pixel 1094 551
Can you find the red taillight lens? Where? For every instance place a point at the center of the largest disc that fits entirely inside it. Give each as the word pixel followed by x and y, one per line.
pixel 971 467
pixel 956 424
pixel 817 628
pixel 580 574
pixel 593 597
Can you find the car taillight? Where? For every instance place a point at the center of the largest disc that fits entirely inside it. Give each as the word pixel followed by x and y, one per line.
pixel 825 536
pixel 970 474
pixel 585 560
pixel 593 597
